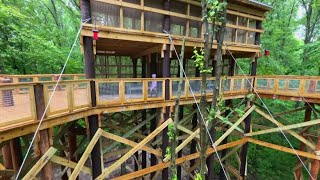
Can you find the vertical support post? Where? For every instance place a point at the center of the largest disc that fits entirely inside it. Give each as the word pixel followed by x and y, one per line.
pixel 194 125
pixel 16 153
pixel 153 124
pixel 44 140
pixel 90 74
pixel 72 143
pixel 6 154
pixel 166 74
pixel 144 112
pixel 135 74
pixel 244 150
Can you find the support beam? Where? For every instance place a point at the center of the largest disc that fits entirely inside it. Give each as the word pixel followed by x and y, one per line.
pixel 190 157
pixel 68 163
pixel 40 164
pixel 111 168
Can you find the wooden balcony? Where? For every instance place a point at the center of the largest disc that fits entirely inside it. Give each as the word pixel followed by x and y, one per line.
pixel 72 98
pixel 134 27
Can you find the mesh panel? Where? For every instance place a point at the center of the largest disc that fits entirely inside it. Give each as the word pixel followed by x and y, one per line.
pixel 237 84
pixel 132 18
pixel 251 38
pixel 195 85
pixel 231 19
pixel 59 101
pixel 153 22
pixel 15 104
pixel 195 29
pixel 109 91
pixel 133 90
pixel 175 88
pixel 81 94
pixel 132 1
pixel 178 7
pixel 230 35
pixel 105 14
pixel 178 26
pixel 312 86
pixel 195 11
pixel 241 36
pixel 155 89
pixel 154 4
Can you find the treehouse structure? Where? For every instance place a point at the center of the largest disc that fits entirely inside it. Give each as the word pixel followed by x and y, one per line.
pixel 111 122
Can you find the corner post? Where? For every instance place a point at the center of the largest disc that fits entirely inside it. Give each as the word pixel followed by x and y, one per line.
pixel 90 74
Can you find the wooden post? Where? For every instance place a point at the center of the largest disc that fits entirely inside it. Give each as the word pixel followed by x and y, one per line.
pixel 166 74
pixel 72 143
pixel 144 113
pixel 44 140
pixel 16 153
pixel 90 74
pixel 135 75
pixel 307 117
pixel 6 154
pixel 153 124
pixel 244 151
pixel 194 125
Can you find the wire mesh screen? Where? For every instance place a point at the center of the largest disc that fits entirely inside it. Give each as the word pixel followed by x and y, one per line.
pixel 132 18
pixel 133 90
pixel 241 36
pixel 210 86
pixel 265 84
pixel 105 14
pixel 115 67
pixel 174 89
pixel 195 85
pixel 178 7
pixel 16 104
pixel 251 38
pixel 195 29
pixel 108 92
pixel 237 84
pixel 153 4
pixel 81 94
pixel 153 22
pixel 178 26
pixel 312 86
pixel 155 89
pixel 45 78
pixel 230 35
pixel 133 1
pixel 226 85
pixel 59 101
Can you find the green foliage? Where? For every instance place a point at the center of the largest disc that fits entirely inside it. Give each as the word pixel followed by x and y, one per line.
pixel 36 37
pixel 168 153
pixel 198 177
pixel 198 60
pixel 215 13
pixel 171 132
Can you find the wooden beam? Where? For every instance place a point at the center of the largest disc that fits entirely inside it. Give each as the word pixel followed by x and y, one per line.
pixel 40 164
pixel 161 166
pixel 284 128
pixel 234 126
pixel 110 169
pixel 85 155
pixel 130 143
pixel 296 135
pixel 284 149
pixel 68 163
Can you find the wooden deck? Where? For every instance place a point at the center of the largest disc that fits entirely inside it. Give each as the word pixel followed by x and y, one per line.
pixel 72 100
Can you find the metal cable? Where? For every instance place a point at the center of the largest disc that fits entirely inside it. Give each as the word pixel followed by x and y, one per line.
pixel 269 112
pixel 198 107
pixel 49 101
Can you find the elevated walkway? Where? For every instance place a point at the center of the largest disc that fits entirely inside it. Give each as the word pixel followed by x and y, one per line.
pixel 72 99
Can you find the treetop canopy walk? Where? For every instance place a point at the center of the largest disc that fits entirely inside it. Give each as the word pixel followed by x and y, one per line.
pixel 113 121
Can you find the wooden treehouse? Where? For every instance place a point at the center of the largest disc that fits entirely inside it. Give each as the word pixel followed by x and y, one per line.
pixel 111 122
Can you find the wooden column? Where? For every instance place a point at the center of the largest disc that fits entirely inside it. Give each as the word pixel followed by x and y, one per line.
pixel 194 125
pixel 16 153
pixel 153 124
pixel 44 140
pixel 90 74
pixel 166 74
pixel 244 150
pixel 135 75
pixel 6 155
pixel 144 112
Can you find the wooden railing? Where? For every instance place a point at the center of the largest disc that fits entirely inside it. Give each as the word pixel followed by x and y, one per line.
pixel 17 101
pixel 146 16
pixel 295 86
pixel 39 78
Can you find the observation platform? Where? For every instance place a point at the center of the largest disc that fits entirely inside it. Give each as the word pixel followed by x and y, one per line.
pixel 135 27
pixel 72 99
